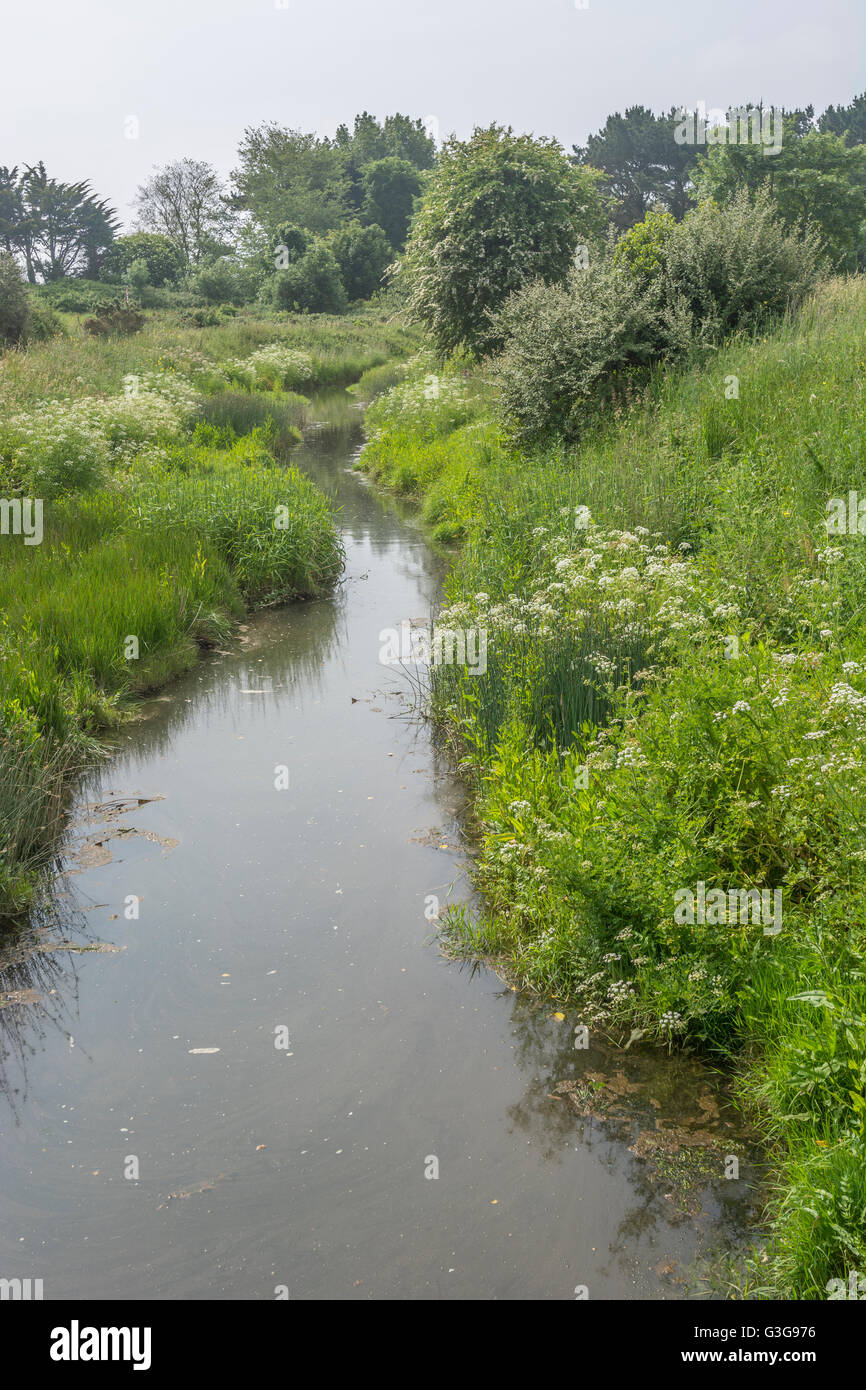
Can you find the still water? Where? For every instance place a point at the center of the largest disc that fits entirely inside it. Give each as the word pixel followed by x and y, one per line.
pixel 149 1045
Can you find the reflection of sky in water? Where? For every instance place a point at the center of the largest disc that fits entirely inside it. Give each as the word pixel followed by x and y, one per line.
pixel 305 908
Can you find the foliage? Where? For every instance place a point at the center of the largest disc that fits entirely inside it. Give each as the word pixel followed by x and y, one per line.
pixel 165 263
pixel 816 179
pixel 43 321
pixel 737 266
pixel 76 296
pixel 499 210
pixel 59 229
pixel 286 176
pixel 138 277
pixel 14 302
pixel 311 284
pixel 642 250
pixel 563 341
pixel 362 255
pixel 184 201
pixel 671 290
pixel 224 282
pixel 391 188
pixel 645 169
pixel 849 120
pixel 115 319
pixel 398 137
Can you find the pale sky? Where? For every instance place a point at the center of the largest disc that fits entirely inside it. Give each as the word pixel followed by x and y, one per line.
pixel 194 73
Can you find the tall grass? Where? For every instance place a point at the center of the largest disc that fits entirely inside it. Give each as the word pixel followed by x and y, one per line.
pixel 732 758
pixel 341 349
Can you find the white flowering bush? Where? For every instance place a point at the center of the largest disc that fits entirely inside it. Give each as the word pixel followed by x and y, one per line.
pixel 600 609
pixel 271 367
pixel 724 758
pixel 68 446
pixel 431 403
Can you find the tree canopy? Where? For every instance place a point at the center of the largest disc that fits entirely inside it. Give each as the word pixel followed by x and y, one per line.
pixel 499 209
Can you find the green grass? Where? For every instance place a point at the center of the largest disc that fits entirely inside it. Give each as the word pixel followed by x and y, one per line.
pixel 341 349
pixel 676 693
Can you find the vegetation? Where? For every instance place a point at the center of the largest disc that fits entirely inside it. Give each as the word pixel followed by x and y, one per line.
pixel 674 696
pixel 499 210
pixel 14 302
pixel 670 291
pixel 160 463
pixel 637 403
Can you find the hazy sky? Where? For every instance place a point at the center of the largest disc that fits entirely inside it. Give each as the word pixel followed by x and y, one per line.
pixel 194 73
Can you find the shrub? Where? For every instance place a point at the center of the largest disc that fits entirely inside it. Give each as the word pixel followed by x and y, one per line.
pixel 312 284
pixel 563 342
pixel 14 302
pixel 642 251
pixel 363 255
pixel 115 320
pixel 74 296
pixel 499 211
pixel 165 263
pixel 138 279
pixel 43 322
pixel 669 290
pixel 224 282
pixel 734 268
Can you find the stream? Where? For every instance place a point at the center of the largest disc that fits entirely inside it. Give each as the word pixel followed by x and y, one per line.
pixel 270 1082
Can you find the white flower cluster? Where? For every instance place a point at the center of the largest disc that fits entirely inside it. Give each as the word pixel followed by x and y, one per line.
pixel 154 408
pixel 274 363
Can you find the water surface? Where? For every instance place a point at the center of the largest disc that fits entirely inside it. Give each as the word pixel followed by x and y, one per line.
pixel 303 910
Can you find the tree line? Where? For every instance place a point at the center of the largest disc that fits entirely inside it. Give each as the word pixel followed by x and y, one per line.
pixel 311 222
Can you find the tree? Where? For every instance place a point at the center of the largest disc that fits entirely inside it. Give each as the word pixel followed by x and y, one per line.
pixel 813 178
pixel 287 176
pixel 165 263
pixel 391 187
pixel 11 208
pixel 499 210
pixel 363 255
pixel 14 301
pixel 312 283
pixel 58 228
pixel 138 277
pixel 399 138
pixel 184 201
pixel 849 121
pixel 643 164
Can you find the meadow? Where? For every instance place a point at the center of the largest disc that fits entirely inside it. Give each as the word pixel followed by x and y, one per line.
pixel 674 705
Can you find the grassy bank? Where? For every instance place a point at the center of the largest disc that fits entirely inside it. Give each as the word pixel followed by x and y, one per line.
pixel 169 510
pixel 675 696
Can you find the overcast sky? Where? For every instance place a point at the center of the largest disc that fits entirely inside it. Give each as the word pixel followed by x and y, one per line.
pixel 194 73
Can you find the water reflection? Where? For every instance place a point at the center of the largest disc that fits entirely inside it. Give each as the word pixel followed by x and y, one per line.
pixel 306 909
